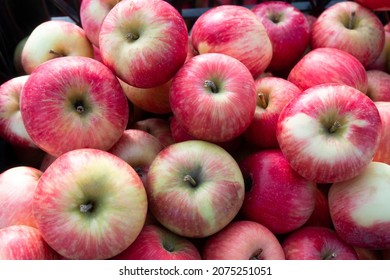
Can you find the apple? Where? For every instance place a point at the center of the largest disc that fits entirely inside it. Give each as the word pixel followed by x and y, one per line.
pixel 144 42
pixel 81 105
pixel 153 100
pixel 378 85
pixel 210 89
pixel 383 60
pixel 89 204
pixel 21 242
pixel 376 5
pixel 359 207
pixel 328 65
pixel 243 240
pixel 158 127
pixel 52 39
pixel 12 127
pixel 321 214
pixel 350 27
pixel 92 14
pixel 273 93
pixel 382 153
pixel 275 195
pixel 194 188
pixel 17 187
pixel 317 243
pixel 138 148
pixel 367 254
pixel 157 243
pixel 329 133
pixel 17 57
pixel 235 31
pixel 287 28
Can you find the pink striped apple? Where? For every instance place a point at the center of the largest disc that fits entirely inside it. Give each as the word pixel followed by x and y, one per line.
pixel 382 153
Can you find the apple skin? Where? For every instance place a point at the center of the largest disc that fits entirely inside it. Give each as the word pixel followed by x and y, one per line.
pixel 328 65
pixel 12 127
pixel 350 27
pixel 321 214
pixel 194 188
pixel 233 99
pixel 52 39
pixel 276 196
pixel 92 14
pixel 235 31
pixel 62 86
pixel 243 240
pixel 277 92
pixel 317 243
pixel 89 177
pixel 21 242
pixel 138 148
pixel 157 243
pixel 382 153
pixel 17 57
pixel 158 49
pixel 289 32
pixel 359 207
pixel 158 127
pixel 329 133
pixel 381 63
pixel 375 5
pixel 378 85
pixel 17 187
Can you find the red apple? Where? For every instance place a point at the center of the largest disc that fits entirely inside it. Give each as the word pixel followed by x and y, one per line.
pixel 210 89
pixel 276 196
pixel 21 242
pixel 289 32
pixel 144 42
pixel 359 207
pixel 273 93
pixel 329 65
pixel 376 5
pixel 378 85
pixel 329 133
pixel 157 243
pixel 243 240
pixel 158 127
pixel 317 243
pixel 235 31
pixel 195 188
pixel 82 105
pixel 321 214
pixel 382 153
pixel 89 204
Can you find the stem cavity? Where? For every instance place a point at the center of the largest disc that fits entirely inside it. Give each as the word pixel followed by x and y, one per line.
pixel 211 85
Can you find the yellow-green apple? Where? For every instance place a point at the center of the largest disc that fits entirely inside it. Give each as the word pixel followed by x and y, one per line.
pixel 235 31
pixel 81 105
pixel 152 100
pixel 144 42
pixel 382 153
pixel 317 243
pixel 273 93
pixel 158 127
pixel 243 240
pixel 360 210
pixel 138 148
pixel 17 187
pixel 92 14
pixel 289 32
pixel 157 243
pixel 21 242
pixel 17 57
pixel 378 85
pixel 375 5
pixel 52 39
pixel 275 195
pixel 329 133
pixel 350 27
pixel 328 65
pixel 89 204
pixel 194 188
pixel 12 127
pixel 210 89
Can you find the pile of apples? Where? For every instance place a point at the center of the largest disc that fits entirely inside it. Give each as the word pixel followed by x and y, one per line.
pixel 265 134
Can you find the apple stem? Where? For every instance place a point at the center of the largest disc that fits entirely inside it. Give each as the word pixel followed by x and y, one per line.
pixel 85 208
pixel 80 109
pixel 131 36
pixel 330 256
pixel 336 125
pixel 351 22
pixel 188 178
pixel 262 100
pixel 257 255
pixel 210 84
pixel 55 53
